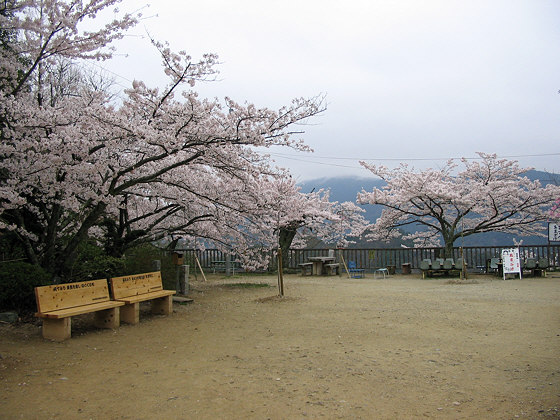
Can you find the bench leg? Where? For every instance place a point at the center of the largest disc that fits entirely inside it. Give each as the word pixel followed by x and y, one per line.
pixel 57 329
pixel 108 318
pixel 162 306
pixel 130 313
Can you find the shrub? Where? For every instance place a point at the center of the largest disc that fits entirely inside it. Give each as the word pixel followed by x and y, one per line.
pixel 140 260
pixel 17 283
pixel 93 263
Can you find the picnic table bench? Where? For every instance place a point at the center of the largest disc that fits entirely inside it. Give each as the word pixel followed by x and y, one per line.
pixel 537 266
pixel 57 304
pixel 306 268
pixel 332 268
pixel 131 290
pixel 440 266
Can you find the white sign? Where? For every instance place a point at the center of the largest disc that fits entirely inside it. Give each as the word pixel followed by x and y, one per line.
pixel 511 262
pixel 554 232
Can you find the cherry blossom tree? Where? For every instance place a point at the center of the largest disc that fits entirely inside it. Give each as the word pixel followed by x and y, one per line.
pixel 287 216
pixel 163 161
pixel 271 213
pixel 487 195
pixel 555 210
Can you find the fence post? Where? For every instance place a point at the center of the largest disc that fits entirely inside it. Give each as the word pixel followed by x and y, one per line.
pixel 182 286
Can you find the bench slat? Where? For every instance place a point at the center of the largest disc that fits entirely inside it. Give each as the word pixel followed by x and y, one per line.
pixel 139 284
pixel 147 296
pixel 70 295
pixel 79 310
pixel 139 288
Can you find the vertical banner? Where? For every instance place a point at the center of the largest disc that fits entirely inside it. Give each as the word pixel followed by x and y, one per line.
pixel 511 262
pixel 553 232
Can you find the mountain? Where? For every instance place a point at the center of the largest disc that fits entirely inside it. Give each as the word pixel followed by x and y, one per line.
pixel 346 188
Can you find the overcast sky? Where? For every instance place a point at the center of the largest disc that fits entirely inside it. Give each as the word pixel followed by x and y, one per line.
pixel 405 81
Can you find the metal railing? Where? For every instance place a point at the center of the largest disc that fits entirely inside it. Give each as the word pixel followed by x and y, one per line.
pixel 371 259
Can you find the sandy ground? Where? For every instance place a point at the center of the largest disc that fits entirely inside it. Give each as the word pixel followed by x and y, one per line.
pixel 399 348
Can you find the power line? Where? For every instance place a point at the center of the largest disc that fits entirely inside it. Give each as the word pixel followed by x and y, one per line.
pixel 316 163
pixel 288 156
pixel 311 159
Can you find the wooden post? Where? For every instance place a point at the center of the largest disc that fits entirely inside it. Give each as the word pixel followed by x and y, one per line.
pixel 130 314
pixel 108 318
pixel 57 329
pixel 200 267
pixel 463 265
pixel 228 264
pixel 182 285
pixel 163 305
pixel 280 273
pixel 344 262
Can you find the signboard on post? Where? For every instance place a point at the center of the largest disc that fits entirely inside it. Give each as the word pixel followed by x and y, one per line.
pixel 553 232
pixel 511 262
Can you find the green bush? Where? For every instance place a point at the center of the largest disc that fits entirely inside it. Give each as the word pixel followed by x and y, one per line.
pixel 140 260
pixel 17 283
pixel 93 263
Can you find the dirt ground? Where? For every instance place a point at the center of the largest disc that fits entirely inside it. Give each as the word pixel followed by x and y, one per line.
pixel 333 348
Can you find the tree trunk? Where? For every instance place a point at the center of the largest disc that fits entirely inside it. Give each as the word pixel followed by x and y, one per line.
pixel 448 250
pixel 70 253
pixel 285 238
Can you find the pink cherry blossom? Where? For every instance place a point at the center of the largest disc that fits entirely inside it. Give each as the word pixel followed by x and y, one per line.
pixel 490 194
pixel 159 163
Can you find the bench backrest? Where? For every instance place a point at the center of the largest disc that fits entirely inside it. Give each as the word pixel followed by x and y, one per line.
pixel 543 262
pixel 425 264
pixel 531 263
pixel 138 284
pixel 70 295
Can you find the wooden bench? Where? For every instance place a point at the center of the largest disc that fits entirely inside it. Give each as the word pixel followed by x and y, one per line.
pixel 305 267
pixel 57 304
pixel 131 290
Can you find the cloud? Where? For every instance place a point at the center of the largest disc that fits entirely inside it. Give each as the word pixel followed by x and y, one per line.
pixel 403 78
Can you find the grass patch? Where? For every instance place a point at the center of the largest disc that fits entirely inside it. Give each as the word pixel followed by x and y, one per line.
pixel 245 285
